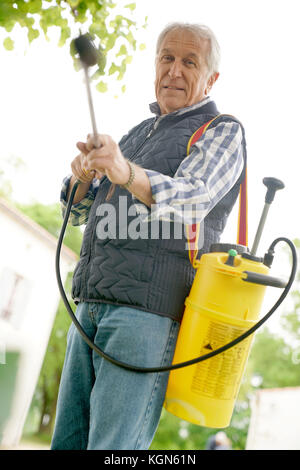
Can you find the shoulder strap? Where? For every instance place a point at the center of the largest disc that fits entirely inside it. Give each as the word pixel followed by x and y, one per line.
pixel 193 230
pixel 242 233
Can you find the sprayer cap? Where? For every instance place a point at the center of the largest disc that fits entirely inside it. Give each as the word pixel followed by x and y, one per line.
pixel 231 255
pixel 232 252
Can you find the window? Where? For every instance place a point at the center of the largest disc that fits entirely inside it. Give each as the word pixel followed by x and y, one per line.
pixel 14 295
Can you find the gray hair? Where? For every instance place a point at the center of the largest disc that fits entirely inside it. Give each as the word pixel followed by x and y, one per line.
pixel 203 32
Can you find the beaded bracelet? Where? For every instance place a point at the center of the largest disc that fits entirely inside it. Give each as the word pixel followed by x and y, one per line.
pixel 131 176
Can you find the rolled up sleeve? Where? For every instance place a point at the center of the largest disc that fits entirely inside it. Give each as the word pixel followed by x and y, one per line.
pixel 80 211
pixel 203 178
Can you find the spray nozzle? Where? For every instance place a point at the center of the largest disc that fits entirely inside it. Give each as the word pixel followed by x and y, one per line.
pixel 88 53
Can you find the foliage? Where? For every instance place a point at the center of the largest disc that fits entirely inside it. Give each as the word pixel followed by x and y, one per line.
pixel 272 362
pixel 9 167
pixel 176 434
pixel 291 320
pixel 45 397
pixel 50 218
pixel 113 35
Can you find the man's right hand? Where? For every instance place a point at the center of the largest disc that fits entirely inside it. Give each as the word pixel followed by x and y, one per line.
pixel 85 148
pixel 80 172
pixel 78 169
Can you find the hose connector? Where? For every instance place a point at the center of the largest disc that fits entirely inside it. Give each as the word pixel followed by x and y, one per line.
pixel 268 258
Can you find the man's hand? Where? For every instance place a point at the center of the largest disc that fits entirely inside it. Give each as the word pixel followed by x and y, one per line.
pixel 107 158
pixel 79 171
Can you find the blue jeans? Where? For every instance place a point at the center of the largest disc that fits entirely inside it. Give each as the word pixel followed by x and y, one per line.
pixel 101 405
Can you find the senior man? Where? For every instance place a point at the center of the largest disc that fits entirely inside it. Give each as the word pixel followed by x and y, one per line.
pixel 130 290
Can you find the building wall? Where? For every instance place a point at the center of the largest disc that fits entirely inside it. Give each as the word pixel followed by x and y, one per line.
pixel 29 299
pixel 275 420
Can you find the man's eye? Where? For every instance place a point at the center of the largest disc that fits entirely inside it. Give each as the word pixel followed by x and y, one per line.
pixel 166 58
pixel 190 62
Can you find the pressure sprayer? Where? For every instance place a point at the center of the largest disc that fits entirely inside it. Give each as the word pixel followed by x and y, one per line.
pixel 221 312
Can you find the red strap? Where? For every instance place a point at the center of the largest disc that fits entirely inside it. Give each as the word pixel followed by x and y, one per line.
pixel 192 237
pixel 193 230
pixel 242 237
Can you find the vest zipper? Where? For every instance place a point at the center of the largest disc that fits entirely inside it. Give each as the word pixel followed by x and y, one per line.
pixel 142 144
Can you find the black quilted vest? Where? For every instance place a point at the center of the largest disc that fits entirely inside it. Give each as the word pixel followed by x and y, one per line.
pixel 154 275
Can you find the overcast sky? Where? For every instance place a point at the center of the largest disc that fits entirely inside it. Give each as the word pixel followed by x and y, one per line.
pixel 44 109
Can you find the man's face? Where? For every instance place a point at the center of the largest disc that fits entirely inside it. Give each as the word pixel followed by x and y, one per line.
pixel 181 71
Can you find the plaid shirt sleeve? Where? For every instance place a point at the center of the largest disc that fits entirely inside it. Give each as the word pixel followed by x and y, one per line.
pixel 202 179
pixel 80 212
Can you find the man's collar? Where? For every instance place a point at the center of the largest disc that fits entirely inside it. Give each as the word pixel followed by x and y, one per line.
pixel 155 109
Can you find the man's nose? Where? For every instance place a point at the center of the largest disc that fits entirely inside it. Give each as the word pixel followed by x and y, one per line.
pixel 175 70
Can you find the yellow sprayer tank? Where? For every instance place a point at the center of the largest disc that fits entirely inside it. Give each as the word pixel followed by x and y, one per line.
pixel 220 307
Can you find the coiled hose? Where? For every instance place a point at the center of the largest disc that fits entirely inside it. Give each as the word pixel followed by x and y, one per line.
pixel 204 357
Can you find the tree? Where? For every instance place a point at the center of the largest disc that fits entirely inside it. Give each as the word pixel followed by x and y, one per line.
pixel 176 434
pixel 46 392
pixel 50 218
pixel 291 320
pixel 9 166
pixel 114 34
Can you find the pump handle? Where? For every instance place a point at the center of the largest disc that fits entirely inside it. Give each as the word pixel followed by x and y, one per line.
pixel 273 184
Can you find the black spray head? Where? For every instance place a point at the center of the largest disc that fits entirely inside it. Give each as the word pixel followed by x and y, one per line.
pixel 88 53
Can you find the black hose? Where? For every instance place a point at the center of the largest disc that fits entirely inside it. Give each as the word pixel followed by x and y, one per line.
pixel 181 364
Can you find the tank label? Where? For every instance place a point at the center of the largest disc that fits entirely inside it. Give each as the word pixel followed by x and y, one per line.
pixel 220 376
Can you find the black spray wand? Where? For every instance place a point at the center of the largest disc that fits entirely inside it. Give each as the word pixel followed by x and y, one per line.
pixel 89 56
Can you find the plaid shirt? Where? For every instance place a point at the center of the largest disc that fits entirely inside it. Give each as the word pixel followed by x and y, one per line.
pixel 200 182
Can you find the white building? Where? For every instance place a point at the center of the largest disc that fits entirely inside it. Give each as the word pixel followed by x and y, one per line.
pixel 275 420
pixel 29 298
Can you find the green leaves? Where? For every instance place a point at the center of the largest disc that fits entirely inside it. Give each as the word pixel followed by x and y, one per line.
pixel 131 6
pixel 34 6
pixel 8 44
pixel 122 51
pixel 102 87
pixel 73 3
pixel 114 34
pixel 33 34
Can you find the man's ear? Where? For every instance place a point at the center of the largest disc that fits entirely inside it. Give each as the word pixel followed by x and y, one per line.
pixel 213 78
pixel 210 82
